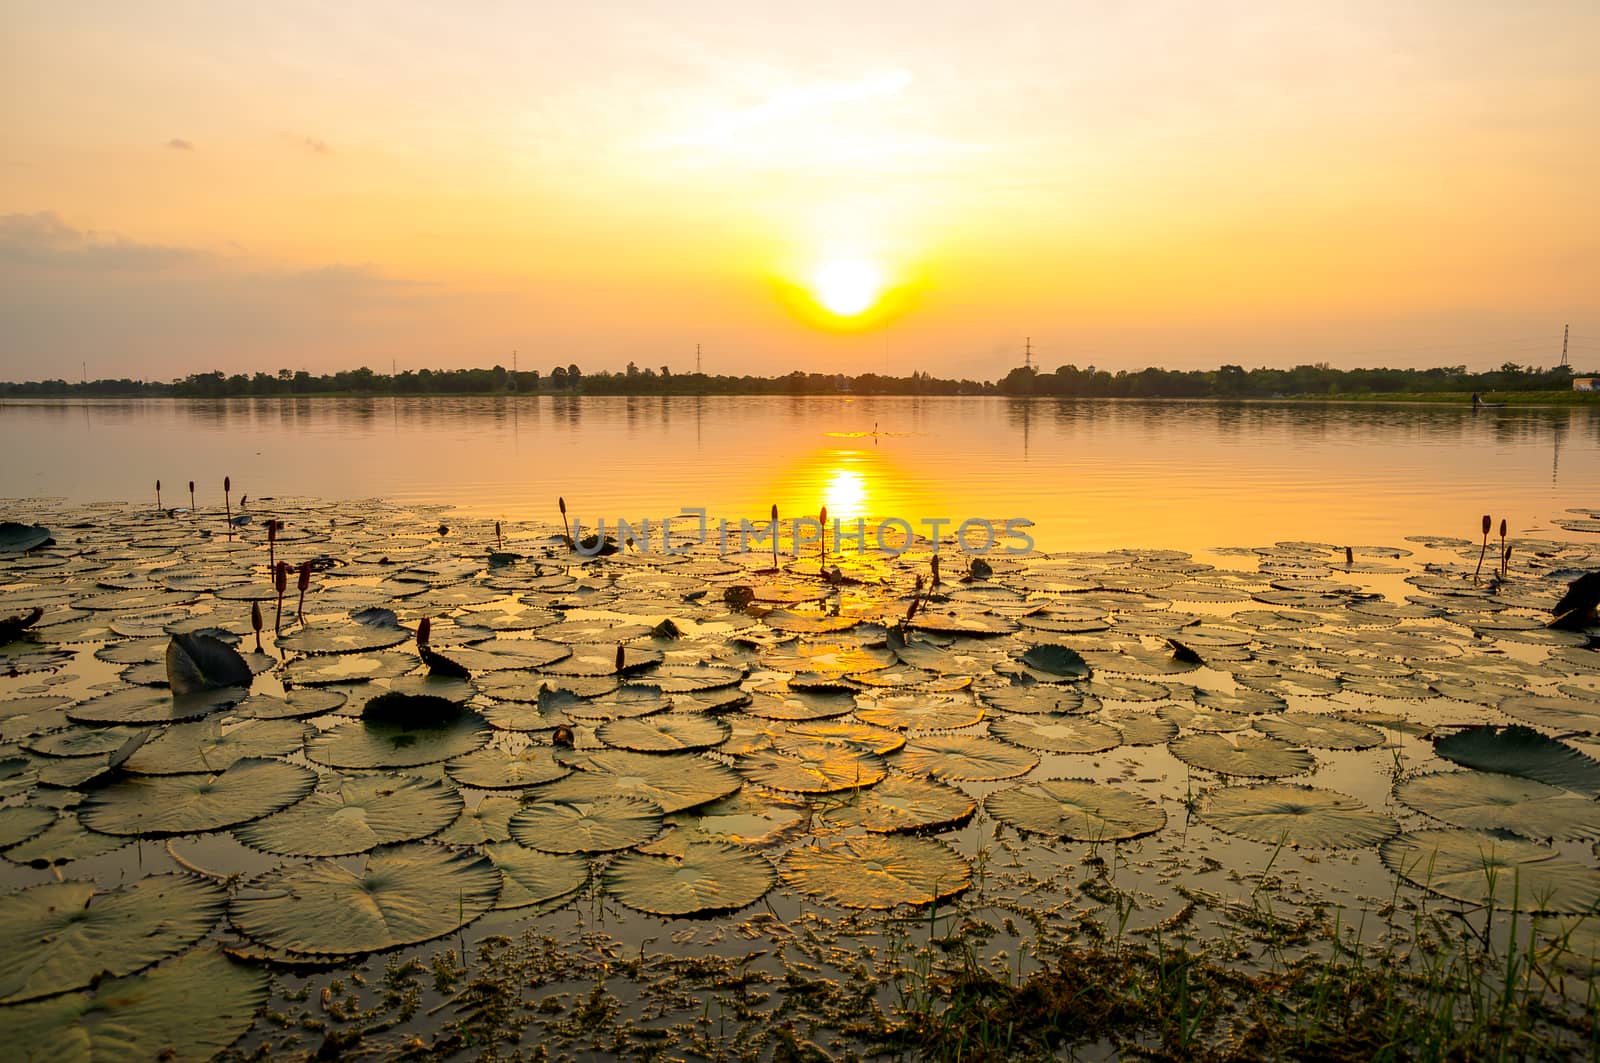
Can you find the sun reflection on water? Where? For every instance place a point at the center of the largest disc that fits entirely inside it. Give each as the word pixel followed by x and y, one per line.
pixel 845 494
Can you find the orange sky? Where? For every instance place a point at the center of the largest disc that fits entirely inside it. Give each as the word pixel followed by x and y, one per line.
pixel 186 186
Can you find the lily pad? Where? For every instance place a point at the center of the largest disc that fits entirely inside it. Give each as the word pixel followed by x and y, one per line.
pixel 201 662
pixel 1320 731
pixel 1521 751
pixel 153 805
pixel 362 744
pixel 877 871
pixel 673 781
pixel 964 757
pixel 185 1011
pixel 1057 660
pixel 921 712
pixel 356 817
pixel 1039 698
pixel 1296 815
pixel 667 732
pixel 404 894
pixel 152 705
pixel 704 877
pixel 600 826
pixel 1057 734
pixel 1242 753
pixel 494 768
pixel 61 935
pixel 811 768
pixel 1482 868
pixel 1484 800
pixel 903 803
pixel 206 746
pixel 339 636
pixel 530 877
pixel 1079 809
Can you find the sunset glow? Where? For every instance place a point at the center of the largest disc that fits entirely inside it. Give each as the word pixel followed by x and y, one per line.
pixel 847 287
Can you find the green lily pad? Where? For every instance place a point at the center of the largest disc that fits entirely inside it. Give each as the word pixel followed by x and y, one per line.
pixel 673 781
pixel 153 705
pixel 363 744
pixel 1056 734
pixel 903 803
pixel 602 825
pixel 61 935
pixel 404 894
pixel 1057 660
pixel 487 821
pixel 1242 753
pixel 359 815
pixel 1521 751
pixel 1320 731
pixel 530 877
pixel 1482 868
pixel 703 877
pixel 964 757
pixel 342 636
pixel 154 805
pixel 494 768
pixel 1079 809
pixel 1484 800
pixel 1296 815
pixel 185 1011
pixel 208 746
pixel 877 871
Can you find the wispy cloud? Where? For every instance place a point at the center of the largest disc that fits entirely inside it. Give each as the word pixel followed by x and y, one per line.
pixel 316 144
pixel 43 239
pixel 179 144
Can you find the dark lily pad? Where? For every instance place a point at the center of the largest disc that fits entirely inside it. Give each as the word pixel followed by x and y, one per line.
pixel 404 894
pixel 1521 751
pixel 530 877
pixel 1484 800
pixel 62 935
pixel 667 732
pixel 362 744
pixel 357 816
pixel 1079 809
pixel 155 805
pixel 602 825
pixel 1057 660
pixel 1483 868
pixel 208 746
pixel 497 768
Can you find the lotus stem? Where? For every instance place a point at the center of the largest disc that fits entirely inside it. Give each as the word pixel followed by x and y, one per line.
pixel 1486 525
pixel 562 502
pixel 1505 551
pixel 227 486
pixel 305 582
pixel 272 542
pixel 499 544
pixel 774 536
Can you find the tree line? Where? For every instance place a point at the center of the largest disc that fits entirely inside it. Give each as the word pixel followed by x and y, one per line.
pixel 1228 381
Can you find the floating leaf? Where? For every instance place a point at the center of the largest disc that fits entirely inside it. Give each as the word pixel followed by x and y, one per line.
pixel 487 821
pixel 667 732
pixel 877 871
pixel 1521 751
pixel 404 894
pixel 599 826
pixel 151 705
pixel 674 781
pixel 1057 734
pixel 1057 660
pixel 1039 698
pixel 205 746
pixel 343 637
pixel 360 744
pixel 61 935
pixel 811 768
pixel 1481 868
pixel 1079 809
pixel 357 816
pixel 1243 753
pixel 186 1011
pixel 494 768
pixel 704 877
pixel 1296 815
pixel 1484 800
pixel 153 805
pixel 18 823
pixel 20 538
pixel 903 803
pixel 1320 731
pixel 965 757
pixel 530 877
pixel 921 712
pixel 200 662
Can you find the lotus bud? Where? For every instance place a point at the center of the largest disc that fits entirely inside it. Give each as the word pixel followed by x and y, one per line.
pixel 255 622
pixel 621 655
pixel 774 536
pixel 304 582
pixel 933 565
pixel 1486 524
pixel 1349 556
pixel 158 494
pixel 498 543
pixel 822 519
pixel 562 502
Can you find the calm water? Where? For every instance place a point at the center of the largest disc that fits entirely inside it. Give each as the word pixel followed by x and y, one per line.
pixel 1089 474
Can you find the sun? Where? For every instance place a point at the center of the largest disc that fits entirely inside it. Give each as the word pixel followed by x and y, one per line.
pixel 847 287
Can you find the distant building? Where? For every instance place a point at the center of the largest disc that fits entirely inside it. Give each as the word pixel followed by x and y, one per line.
pixel 1586 383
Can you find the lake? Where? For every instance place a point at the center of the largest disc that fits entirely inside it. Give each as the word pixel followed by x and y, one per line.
pixel 1089 474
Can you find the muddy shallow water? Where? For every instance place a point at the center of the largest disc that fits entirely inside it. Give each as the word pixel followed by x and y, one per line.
pixel 683 799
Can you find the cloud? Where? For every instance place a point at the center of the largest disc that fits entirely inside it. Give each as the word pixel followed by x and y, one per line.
pixel 315 144
pixel 43 239
pixel 179 144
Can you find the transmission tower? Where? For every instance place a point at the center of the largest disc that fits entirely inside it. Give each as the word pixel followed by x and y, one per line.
pixel 697 358
pixel 1027 353
pixel 1564 363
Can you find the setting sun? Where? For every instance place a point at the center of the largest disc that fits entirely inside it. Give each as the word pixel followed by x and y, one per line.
pixel 847 287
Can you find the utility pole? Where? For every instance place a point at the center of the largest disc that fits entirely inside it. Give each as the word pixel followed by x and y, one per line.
pixel 1564 363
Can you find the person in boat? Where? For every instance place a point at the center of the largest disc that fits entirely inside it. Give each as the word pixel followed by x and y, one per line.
pixel 1476 402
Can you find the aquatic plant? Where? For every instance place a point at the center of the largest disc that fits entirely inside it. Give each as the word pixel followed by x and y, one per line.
pixel 158 494
pixel 191 499
pixel 280 582
pixel 255 623
pixel 304 584
pixel 1505 550
pixel 1487 523
pixel 227 487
